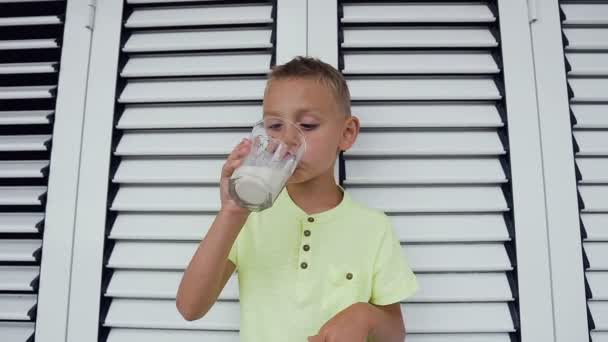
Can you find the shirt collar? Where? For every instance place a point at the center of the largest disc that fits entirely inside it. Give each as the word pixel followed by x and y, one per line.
pixel 284 201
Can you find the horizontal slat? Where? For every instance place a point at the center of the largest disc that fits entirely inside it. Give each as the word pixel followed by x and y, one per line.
pixel 462 287
pixel 161 226
pixel 599 336
pixel 18 250
pixel 432 142
pixel 589 89
pixel 177 90
pixel 593 170
pixel 424 171
pixel 417 13
pixel 461 317
pixel 592 142
pixel 145 313
pixel 210 143
pixel 27 68
pixel 595 226
pixel 170 170
pixel 28 44
pixel 588 64
pixel 17 278
pixel 21 195
pixel 586 38
pixel 31 20
pixel 465 317
pixel 199 15
pixel 598 282
pixel 151 255
pixel 597 253
pixel 585 14
pixel 595 197
pixel 161 1
pixel 24 142
pixel 449 287
pixel 162 335
pixel 186 40
pixel 450 227
pixel 420 63
pixel 157 285
pixel 599 314
pixel 167 198
pixel 29 92
pixel 16 307
pixel 16 331
pixel 590 115
pixel 432 198
pixel 22 168
pixel 418 37
pixel 391 88
pixel 190 115
pixel 25 117
pixel 193 65
pixel 423 258
pixel 482 257
pixel 462 337
pixel 427 114
pixel 20 222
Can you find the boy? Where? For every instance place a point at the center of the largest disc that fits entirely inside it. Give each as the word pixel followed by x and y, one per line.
pixel 316 266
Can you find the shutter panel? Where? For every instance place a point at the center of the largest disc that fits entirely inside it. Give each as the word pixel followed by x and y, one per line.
pixel 586 52
pixel 191 78
pixel 426 82
pixel 30 50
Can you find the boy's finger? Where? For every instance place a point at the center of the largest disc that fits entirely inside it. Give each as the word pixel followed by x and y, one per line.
pixel 240 150
pixel 229 167
pixel 315 338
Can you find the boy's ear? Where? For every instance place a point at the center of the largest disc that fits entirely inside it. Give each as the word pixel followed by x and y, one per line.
pixel 349 133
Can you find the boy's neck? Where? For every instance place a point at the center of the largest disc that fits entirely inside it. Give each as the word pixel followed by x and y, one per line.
pixel 316 195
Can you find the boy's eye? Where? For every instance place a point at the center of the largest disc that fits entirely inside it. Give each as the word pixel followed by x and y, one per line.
pixel 309 127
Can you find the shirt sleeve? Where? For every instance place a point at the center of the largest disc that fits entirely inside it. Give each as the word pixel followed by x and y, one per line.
pixel 393 280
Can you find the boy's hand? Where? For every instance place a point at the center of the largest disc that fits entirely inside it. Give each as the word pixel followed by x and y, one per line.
pixel 233 161
pixel 349 325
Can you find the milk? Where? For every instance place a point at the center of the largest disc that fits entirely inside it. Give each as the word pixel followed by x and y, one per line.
pixel 258 186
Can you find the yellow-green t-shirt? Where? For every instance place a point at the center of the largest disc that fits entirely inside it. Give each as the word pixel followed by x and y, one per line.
pixel 296 271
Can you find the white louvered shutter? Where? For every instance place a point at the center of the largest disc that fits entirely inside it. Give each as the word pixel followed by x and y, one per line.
pixel 426 81
pixel 30 50
pixel 585 32
pixel 189 85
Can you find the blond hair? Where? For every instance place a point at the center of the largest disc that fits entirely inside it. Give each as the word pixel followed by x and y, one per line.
pixel 313 68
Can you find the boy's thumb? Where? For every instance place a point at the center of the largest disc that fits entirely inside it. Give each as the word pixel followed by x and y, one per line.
pixel 315 338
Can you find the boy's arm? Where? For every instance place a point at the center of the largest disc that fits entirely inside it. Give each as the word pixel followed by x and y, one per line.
pixel 362 320
pixel 385 322
pixel 209 269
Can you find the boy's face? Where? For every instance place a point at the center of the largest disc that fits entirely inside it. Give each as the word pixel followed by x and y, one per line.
pixel 312 106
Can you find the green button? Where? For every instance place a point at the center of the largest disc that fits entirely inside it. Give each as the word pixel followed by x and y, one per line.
pixel 349 276
pixel 304 265
pixel 311 219
pixel 307 232
pixel 306 248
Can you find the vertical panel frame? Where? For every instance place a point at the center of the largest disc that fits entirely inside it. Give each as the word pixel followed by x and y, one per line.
pixel 55 269
pixel 569 302
pixel 535 300
pixel 291 21
pixel 83 318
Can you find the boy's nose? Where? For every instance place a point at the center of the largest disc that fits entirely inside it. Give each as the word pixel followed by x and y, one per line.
pixel 292 136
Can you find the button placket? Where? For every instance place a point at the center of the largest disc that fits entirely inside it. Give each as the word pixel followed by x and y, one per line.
pixel 305 245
